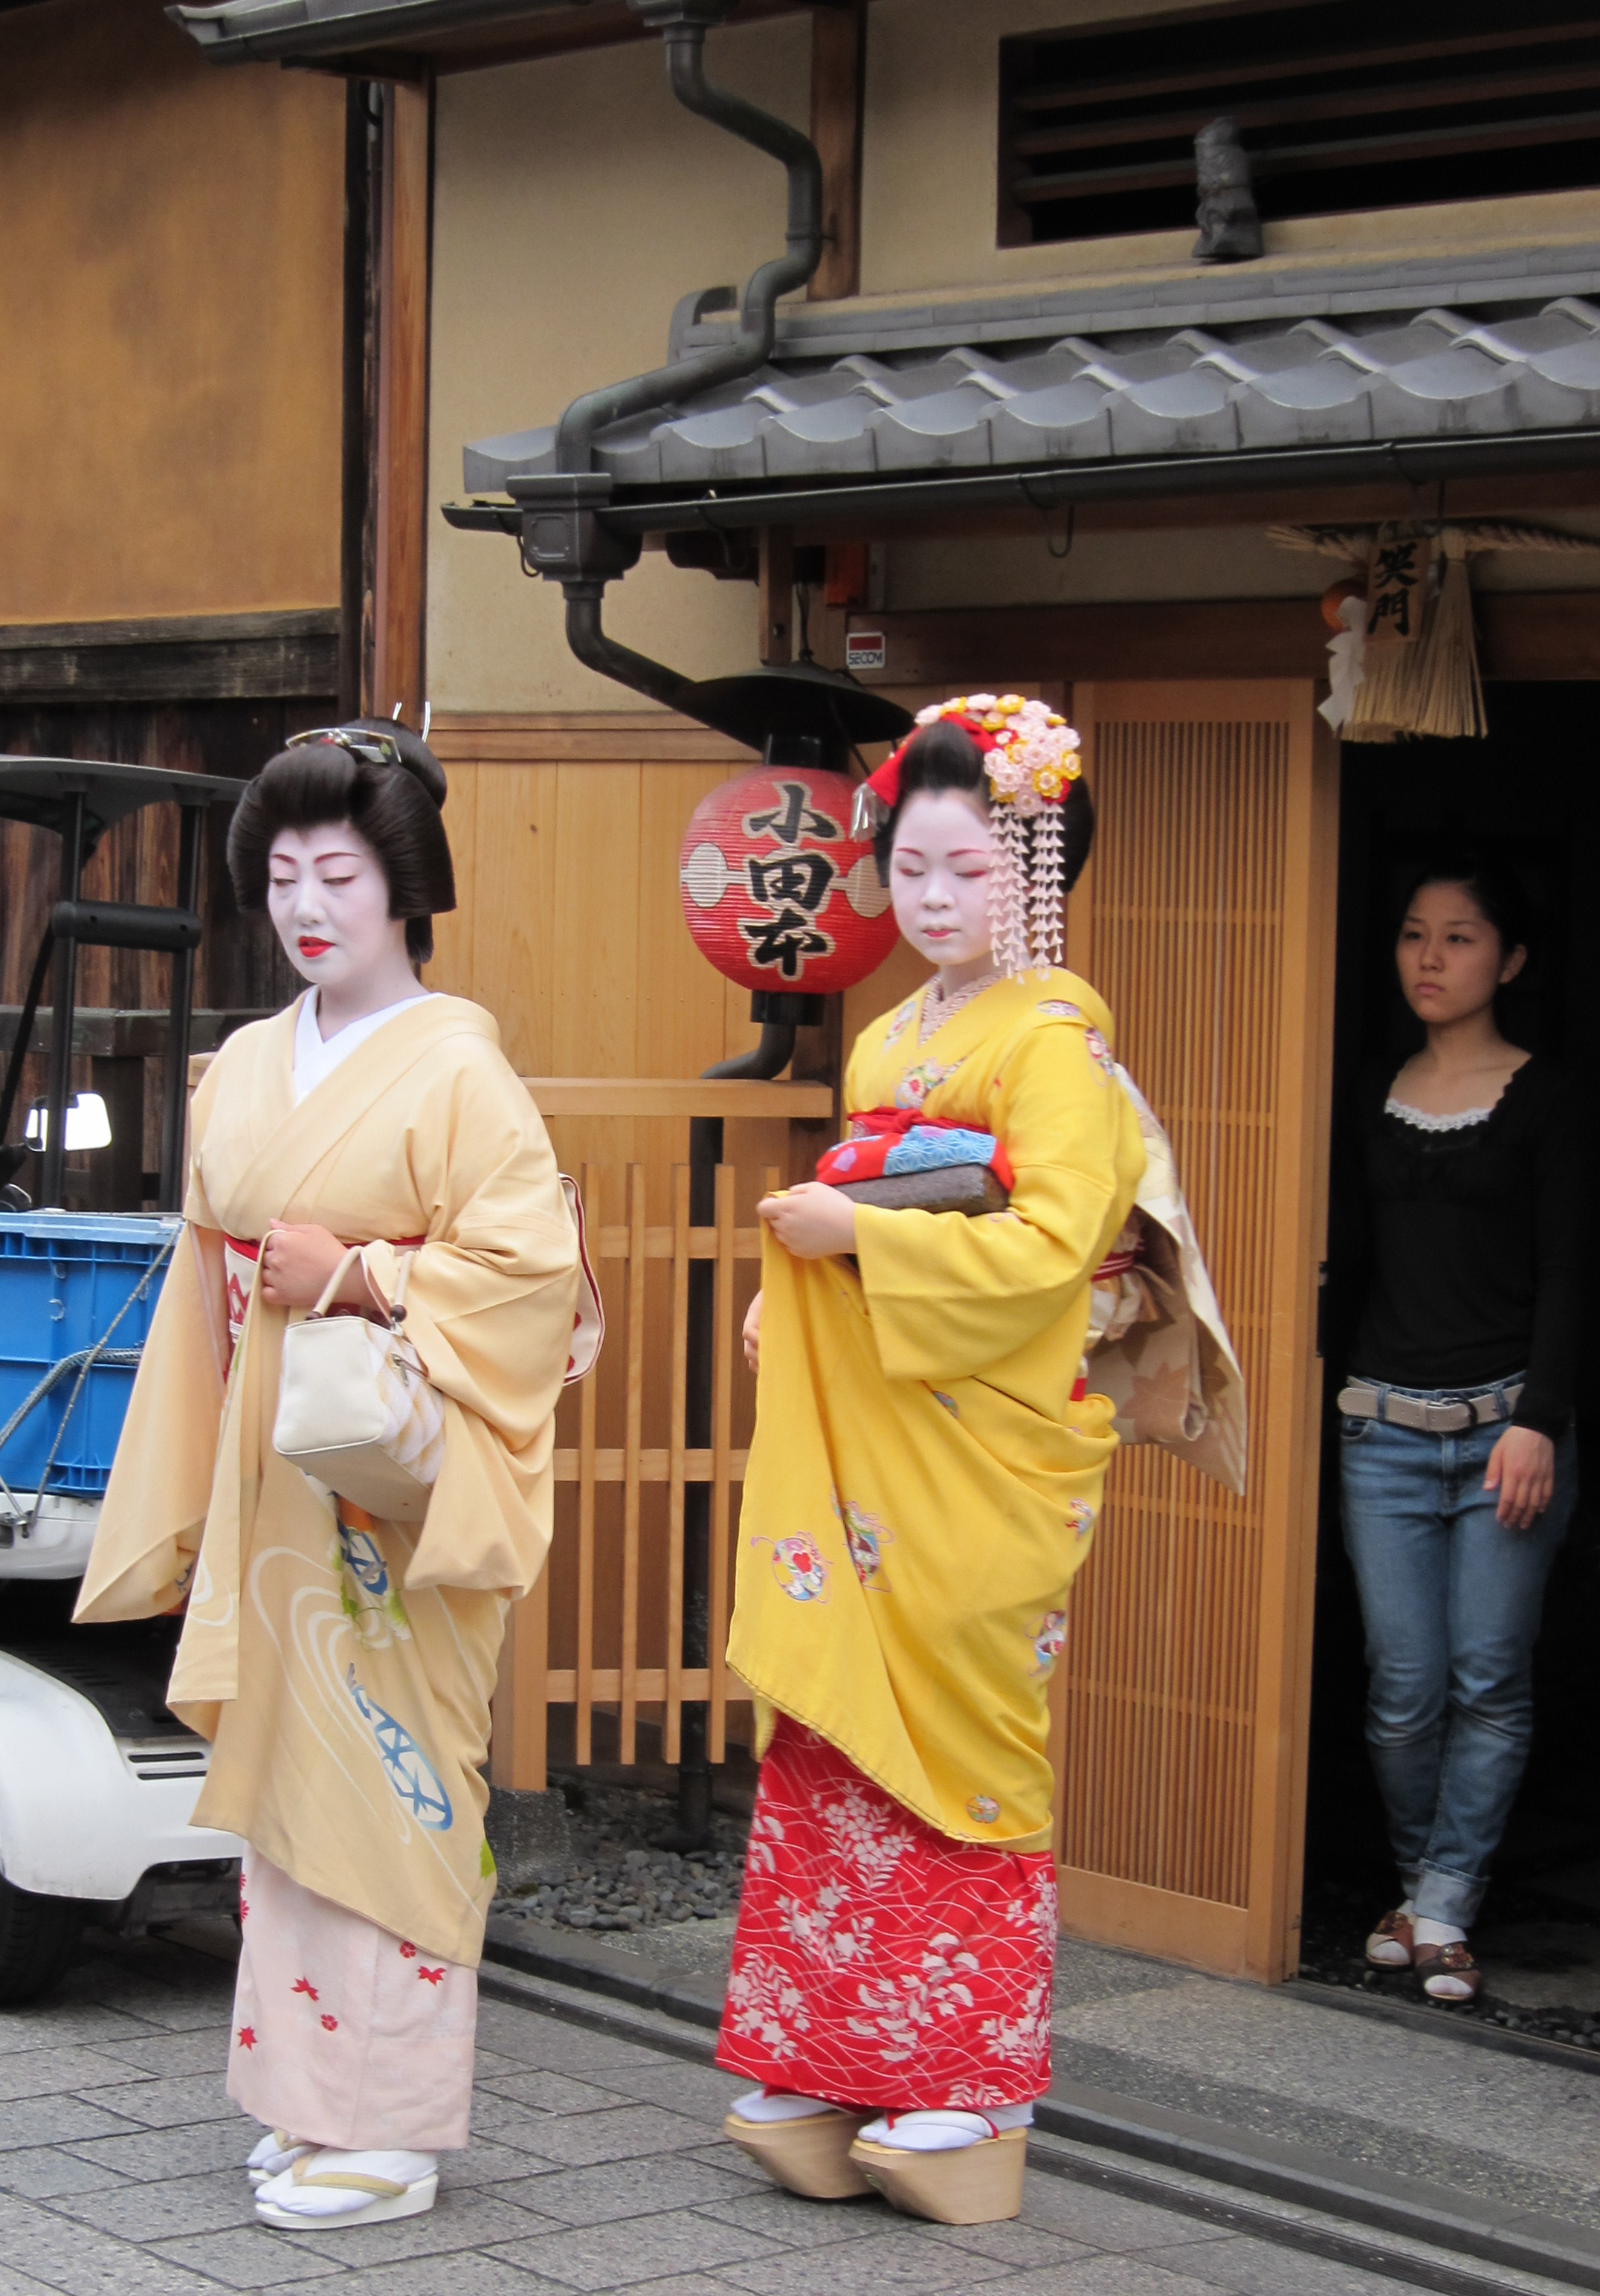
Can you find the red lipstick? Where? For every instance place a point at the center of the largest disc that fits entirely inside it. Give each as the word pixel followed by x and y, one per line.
pixel 310 946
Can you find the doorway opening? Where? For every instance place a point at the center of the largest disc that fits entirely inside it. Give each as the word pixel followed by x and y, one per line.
pixel 1531 792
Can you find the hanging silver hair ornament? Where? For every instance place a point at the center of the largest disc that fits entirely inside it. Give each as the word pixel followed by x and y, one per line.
pixel 1030 760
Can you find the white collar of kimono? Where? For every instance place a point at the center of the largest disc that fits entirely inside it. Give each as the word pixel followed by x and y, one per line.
pixel 317 1056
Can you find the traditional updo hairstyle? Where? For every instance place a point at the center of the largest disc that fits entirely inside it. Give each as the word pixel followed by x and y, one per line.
pixel 394 807
pixel 943 756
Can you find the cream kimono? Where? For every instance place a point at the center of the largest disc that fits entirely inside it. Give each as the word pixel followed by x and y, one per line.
pixel 344 1677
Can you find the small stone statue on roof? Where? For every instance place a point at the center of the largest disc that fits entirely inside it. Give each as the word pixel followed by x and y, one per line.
pixel 1230 229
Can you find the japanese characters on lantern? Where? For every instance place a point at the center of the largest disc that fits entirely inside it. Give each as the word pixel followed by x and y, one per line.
pixel 778 894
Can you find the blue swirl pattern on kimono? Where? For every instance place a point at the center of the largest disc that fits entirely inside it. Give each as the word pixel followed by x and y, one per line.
pixel 410 1773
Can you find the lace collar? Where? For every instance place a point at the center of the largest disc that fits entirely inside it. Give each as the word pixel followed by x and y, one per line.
pixel 1420 1120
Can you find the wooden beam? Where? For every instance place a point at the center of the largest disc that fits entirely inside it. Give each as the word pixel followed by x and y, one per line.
pixel 402 447
pixel 1268 637
pixel 101 1033
pixel 677 1096
pixel 581 737
pixel 259 657
pixel 1539 634
pixel 774 635
pixel 1369 503
pixel 838 81
pixel 1521 634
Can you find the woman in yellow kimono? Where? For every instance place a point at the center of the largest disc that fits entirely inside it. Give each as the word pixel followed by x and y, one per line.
pixel 343 1667
pixel 922 1486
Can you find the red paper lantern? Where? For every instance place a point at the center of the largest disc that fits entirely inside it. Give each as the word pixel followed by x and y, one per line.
pixel 778 893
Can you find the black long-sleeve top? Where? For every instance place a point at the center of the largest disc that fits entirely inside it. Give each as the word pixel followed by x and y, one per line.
pixel 1464 1247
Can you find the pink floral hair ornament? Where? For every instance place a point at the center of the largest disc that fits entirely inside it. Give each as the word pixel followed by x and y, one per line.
pixel 1031 762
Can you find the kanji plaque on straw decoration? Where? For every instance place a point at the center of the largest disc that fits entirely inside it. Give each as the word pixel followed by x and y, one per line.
pixel 778 893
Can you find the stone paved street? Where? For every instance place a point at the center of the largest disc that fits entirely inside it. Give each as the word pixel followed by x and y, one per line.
pixel 597 2164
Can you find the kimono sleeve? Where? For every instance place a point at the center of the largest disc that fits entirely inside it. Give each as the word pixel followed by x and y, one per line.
pixel 153 1514
pixel 489 1309
pixel 949 1295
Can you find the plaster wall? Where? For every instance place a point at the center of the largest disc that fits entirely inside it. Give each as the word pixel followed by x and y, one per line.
pixel 574 201
pixel 929 168
pixel 170 323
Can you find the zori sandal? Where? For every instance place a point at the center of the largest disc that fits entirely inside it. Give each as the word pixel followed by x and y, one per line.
pixel 975 2179
pixel 276 2152
pixel 807 2150
pixel 325 2190
pixel 1448 1972
pixel 1392 1945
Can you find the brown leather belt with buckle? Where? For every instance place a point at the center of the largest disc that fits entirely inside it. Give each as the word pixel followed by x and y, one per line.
pixel 1359 1401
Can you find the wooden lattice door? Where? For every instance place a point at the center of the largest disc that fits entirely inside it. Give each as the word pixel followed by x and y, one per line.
pixel 1206 920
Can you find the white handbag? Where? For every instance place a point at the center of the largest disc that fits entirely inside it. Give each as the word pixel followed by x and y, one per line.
pixel 356 1409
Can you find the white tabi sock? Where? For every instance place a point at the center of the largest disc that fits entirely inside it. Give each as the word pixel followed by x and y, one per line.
pixel 320 2203
pixel 276 2152
pixel 948 2128
pixel 771 2104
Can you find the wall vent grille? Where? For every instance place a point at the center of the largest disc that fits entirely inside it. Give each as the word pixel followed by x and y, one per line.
pixel 1341 108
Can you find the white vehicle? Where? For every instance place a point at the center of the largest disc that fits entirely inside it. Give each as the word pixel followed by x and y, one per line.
pixel 98 1780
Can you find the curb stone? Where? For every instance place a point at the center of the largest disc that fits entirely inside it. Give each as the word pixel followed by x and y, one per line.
pixel 564 1970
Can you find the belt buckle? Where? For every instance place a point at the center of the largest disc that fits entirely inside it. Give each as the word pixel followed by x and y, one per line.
pixel 1444 1404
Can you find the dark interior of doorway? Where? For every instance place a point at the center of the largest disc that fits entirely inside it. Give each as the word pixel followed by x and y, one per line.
pixel 1531 790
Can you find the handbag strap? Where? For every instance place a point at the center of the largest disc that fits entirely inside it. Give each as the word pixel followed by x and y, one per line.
pixel 397 1313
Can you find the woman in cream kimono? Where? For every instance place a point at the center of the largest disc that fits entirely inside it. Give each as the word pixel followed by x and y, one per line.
pixel 343 1667
pixel 922 1487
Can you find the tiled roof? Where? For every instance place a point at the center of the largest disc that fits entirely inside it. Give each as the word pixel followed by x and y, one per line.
pixel 1314 383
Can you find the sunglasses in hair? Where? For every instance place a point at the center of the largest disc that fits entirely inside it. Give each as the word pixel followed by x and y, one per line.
pixel 356 741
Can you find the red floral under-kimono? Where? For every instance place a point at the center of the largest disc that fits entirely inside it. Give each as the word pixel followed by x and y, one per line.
pixel 878 1962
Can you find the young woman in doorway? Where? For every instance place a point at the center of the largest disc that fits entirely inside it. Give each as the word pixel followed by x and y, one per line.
pixel 1457 1460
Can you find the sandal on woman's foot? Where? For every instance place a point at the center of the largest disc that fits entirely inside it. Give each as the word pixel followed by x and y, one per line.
pixel 276 2152
pixel 325 2190
pixel 807 2150
pixel 1448 1972
pixel 967 2182
pixel 1392 1945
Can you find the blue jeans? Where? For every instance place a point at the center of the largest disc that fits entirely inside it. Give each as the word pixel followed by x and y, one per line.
pixel 1451 1606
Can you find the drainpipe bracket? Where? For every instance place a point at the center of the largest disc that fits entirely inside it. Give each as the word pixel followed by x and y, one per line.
pixel 562 538
pixel 666 15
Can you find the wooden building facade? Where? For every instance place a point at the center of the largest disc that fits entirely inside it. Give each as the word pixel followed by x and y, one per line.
pixel 171 376
pixel 552 216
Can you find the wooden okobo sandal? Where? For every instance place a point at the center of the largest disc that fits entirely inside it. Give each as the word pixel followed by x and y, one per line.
pixel 811 2156
pixel 968 2185
pixel 1451 1967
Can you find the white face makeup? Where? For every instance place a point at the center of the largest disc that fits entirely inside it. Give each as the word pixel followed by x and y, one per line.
pixel 328 899
pixel 939 877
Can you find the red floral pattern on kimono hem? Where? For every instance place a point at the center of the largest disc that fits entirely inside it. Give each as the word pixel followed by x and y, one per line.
pixel 877 1962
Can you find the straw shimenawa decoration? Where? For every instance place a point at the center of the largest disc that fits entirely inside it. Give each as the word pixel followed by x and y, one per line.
pixel 1431 687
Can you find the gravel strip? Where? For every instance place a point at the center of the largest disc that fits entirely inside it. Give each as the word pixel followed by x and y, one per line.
pixel 620 1880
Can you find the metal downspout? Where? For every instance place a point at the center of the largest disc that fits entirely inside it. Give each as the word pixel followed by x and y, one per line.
pixel 561 513
pixel 684 25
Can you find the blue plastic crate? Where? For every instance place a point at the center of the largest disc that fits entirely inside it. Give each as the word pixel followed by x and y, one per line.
pixel 64 1276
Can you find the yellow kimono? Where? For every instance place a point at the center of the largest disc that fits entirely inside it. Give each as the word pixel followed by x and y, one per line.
pixel 345 1678
pixel 922 1486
